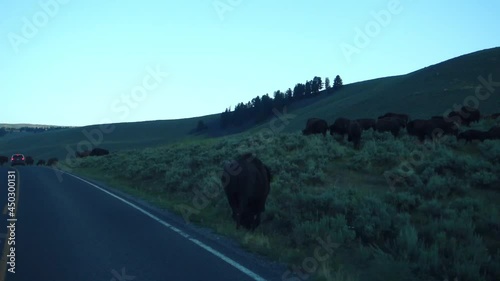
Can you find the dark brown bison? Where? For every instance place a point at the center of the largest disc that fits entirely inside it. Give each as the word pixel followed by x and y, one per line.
pixel 40 162
pixel 82 154
pixel 3 160
pixel 492 116
pixel 29 160
pixel 466 115
pixel 471 135
pixel 438 117
pixel 431 128
pixel 367 123
pixel 340 126
pixel 389 124
pixel 52 161
pixel 354 133
pixel 493 133
pixel 98 152
pixel 247 182
pixel 315 126
pixel 403 117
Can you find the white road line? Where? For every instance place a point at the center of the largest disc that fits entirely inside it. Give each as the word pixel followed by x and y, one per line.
pixel 216 253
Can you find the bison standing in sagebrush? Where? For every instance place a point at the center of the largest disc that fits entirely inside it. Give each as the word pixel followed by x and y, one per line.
pixel 40 162
pixel 403 118
pixel 340 126
pixel 98 152
pixel 354 134
pixel 247 182
pixel 366 123
pixel 29 160
pixel 3 159
pixel 466 115
pixel 471 135
pixel 389 124
pixel 493 133
pixel 315 126
pixel 431 128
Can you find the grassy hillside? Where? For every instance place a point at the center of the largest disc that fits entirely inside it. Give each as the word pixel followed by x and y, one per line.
pixel 123 136
pixel 421 94
pixel 426 92
pixel 438 217
pixel 395 210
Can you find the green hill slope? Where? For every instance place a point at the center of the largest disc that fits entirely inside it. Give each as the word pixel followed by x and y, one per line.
pixel 423 93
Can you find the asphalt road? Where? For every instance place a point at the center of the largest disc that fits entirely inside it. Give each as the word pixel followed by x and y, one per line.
pixel 71 230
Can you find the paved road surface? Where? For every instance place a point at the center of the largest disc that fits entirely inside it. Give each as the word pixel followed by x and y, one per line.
pixel 70 230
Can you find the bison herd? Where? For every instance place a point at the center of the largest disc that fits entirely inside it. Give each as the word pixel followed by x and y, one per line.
pixel 247 180
pixel 94 152
pixel 30 161
pixel 395 122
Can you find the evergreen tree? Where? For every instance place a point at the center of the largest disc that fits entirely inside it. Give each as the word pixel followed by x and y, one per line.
pixel 337 83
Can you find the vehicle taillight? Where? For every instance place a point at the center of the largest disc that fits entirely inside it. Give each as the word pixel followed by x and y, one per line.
pixel 12 159
pixel 23 158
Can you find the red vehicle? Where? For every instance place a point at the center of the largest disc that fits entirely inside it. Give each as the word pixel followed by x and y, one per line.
pixel 17 159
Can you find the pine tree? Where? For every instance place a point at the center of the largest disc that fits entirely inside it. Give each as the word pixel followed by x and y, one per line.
pixel 337 83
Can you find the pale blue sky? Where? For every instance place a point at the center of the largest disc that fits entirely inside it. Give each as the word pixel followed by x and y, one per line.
pixel 84 56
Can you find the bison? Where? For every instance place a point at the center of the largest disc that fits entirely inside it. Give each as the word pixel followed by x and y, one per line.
pixel 493 116
pixel 98 152
pixel 247 182
pixel 340 126
pixel 431 128
pixel 82 154
pixel 466 115
pixel 366 123
pixel 3 160
pixel 389 124
pixel 52 161
pixel 29 160
pixel 315 126
pixel 40 162
pixel 493 133
pixel 354 133
pixel 471 135
pixel 438 117
pixel 403 117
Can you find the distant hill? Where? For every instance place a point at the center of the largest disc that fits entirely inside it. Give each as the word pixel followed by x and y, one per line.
pixel 21 125
pixel 422 93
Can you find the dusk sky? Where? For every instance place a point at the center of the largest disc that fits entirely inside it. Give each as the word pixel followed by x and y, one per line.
pixel 76 63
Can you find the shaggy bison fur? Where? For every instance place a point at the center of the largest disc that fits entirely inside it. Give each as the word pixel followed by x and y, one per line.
pixel 471 135
pixel 354 133
pixel 405 118
pixel 431 128
pixel 466 115
pixel 246 182
pixel 315 126
pixel 340 126
pixel 367 123
pixel 389 124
